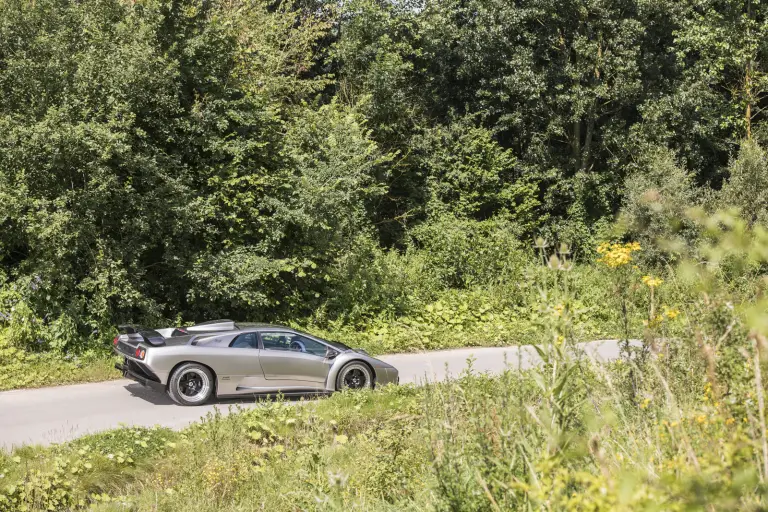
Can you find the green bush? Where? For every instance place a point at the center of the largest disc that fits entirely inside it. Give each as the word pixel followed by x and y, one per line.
pixel 658 195
pixel 369 281
pixel 748 175
pixel 463 253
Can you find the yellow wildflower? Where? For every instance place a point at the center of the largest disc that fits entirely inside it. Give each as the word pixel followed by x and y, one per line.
pixel 645 403
pixel 671 313
pixel 652 282
pixel 730 421
pixel 616 255
pixel 701 419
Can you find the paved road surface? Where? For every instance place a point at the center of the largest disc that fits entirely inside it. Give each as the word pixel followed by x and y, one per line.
pixel 57 414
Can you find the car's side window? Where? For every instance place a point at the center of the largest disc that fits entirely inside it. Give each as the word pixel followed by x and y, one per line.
pixel 247 340
pixel 292 342
pixel 307 345
pixel 276 340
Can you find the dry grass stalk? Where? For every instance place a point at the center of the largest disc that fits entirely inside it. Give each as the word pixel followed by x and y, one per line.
pixel 759 342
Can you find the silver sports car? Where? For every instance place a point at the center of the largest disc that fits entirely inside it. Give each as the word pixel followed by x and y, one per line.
pixel 226 358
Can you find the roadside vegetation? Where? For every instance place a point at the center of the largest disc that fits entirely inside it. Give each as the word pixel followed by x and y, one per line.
pixel 678 423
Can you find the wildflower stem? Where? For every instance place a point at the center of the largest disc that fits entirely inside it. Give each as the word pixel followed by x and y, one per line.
pixel 488 494
pixel 758 340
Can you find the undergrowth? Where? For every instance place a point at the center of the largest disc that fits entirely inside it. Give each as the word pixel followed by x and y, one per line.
pixel 21 369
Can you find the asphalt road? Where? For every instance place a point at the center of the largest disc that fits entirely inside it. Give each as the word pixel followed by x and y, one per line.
pixel 57 414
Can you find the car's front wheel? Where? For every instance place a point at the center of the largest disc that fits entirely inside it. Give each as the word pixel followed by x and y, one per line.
pixel 354 375
pixel 191 384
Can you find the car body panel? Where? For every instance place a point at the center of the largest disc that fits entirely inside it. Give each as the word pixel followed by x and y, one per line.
pixel 278 365
pixel 244 371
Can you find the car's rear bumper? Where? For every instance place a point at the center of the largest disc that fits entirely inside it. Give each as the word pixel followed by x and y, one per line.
pixel 142 375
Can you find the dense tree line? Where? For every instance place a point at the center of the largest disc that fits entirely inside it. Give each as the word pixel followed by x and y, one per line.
pixel 175 159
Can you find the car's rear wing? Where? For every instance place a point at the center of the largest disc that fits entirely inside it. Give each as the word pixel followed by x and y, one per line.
pixel 135 334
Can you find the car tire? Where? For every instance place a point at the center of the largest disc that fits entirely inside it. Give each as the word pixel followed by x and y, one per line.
pixel 191 384
pixel 354 375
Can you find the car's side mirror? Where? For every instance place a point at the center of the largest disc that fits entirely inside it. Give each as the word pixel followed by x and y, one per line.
pixel 330 353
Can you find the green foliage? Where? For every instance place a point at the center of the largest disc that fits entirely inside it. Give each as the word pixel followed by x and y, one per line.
pixel 748 175
pixel 658 195
pixel 280 47
pixel 338 171
pixel 368 281
pixel 728 40
pixel 465 253
pixel 74 476
pixel 21 369
pixel 470 175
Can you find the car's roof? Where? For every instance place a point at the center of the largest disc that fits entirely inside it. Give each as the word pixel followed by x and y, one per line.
pixel 216 328
pixel 225 327
pixel 241 326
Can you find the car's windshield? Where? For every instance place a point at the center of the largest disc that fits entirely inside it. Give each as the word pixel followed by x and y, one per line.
pixel 335 344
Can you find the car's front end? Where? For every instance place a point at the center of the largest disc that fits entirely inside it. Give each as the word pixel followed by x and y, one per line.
pixel 383 373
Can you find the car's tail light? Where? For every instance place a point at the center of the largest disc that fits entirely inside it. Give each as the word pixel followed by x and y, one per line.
pixel 114 341
pixel 140 353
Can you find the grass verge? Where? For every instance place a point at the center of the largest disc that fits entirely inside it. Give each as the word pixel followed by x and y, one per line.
pixel 19 369
pixel 478 443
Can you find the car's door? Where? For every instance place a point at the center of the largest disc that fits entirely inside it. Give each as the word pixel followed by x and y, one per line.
pixel 243 366
pixel 289 356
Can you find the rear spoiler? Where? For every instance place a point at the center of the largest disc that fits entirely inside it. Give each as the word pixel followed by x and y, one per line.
pixel 157 337
pixel 141 334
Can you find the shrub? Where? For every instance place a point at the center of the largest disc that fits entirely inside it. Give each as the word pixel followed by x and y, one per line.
pixel 463 253
pixel 369 281
pixel 659 192
pixel 748 178
pixel 470 175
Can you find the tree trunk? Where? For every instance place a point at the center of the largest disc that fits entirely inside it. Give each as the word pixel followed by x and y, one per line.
pixel 586 151
pixel 748 79
pixel 576 140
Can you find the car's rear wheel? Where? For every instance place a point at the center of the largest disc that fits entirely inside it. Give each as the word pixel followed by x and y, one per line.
pixel 354 375
pixel 191 384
